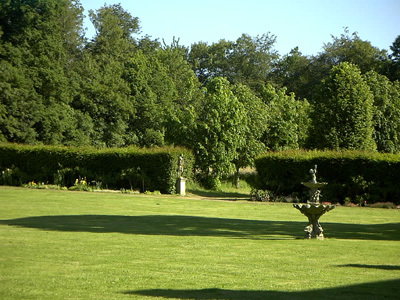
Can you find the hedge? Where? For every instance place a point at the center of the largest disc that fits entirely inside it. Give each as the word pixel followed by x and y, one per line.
pixel 351 175
pixel 133 168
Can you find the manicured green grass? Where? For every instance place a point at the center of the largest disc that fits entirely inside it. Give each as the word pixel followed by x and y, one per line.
pixel 80 245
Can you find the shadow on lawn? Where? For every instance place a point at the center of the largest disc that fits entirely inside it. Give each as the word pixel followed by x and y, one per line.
pixel 380 267
pixel 375 290
pixel 177 225
pixel 232 196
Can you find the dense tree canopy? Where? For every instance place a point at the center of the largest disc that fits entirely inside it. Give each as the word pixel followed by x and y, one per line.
pixel 227 101
pixel 220 128
pixel 343 115
pixel 386 112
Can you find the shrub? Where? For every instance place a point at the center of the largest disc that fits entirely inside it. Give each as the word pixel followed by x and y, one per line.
pixel 387 205
pixel 261 195
pixel 81 185
pixel 11 176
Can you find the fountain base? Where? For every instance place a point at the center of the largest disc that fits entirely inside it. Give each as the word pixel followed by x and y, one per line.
pixel 313 211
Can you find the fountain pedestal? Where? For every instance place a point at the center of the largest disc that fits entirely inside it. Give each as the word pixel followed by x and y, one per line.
pixel 313 210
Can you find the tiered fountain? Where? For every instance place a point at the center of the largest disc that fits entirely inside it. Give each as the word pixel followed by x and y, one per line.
pixel 313 210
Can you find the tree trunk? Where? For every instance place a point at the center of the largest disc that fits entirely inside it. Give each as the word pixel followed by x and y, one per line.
pixel 237 178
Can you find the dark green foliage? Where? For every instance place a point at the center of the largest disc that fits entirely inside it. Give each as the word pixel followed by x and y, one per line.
pixel 386 112
pixel 40 42
pixel 394 64
pixel 219 128
pixel 248 60
pixel 360 176
pixel 343 115
pixel 352 49
pixel 387 205
pixel 293 72
pixel 288 119
pixel 129 168
pixel 118 90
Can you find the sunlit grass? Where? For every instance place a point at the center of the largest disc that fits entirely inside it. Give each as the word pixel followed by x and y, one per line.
pixel 228 190
pixel 80 245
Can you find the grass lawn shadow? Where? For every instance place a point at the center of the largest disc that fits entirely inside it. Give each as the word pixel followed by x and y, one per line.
pixel 216 195
pixel 380 267
pixel 179 225
pixel 376 290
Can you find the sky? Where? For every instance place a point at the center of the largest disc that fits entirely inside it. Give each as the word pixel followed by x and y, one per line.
pixel 307 24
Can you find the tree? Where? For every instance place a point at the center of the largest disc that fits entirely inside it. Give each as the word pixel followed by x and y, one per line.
pixel 395 47
pixel 40 44
pixel 394 65
pixel 20 107
pixel 152 91
pixel 218 131
pixel 248 60
pixel 292 72
pixel 343 117
pixel 114 29
pixel 352 49
pixel 288 119
pixel 386 112
pixel 187 95
pixel 345 48
pixel 210 61
pixel 253 59
pixel 105 94
pixel 256 112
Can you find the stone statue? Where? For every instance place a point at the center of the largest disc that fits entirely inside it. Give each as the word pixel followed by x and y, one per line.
pixel 181 165
pixel 313 173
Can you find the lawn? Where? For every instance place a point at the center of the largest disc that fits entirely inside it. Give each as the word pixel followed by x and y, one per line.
pixel 87 245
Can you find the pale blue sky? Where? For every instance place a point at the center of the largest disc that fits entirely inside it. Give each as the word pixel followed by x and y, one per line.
pixel 307 24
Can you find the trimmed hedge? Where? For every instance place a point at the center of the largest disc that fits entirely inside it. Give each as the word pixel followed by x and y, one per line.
pixel 116 168
pixel 351 175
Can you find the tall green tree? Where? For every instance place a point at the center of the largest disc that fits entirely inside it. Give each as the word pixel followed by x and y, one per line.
pixel 152 91
pixel 248 60
pixel 288 119
pixel 20 107
pixel 115 28
pixel 40 45
pixel 255 124
pixel 253 59
pixel 219 127
pixel 386 112
pixel 105 95
pixel 104 101
pixel 292 72
pixel 187 95
pixel 343 117
pixel 210 61
pixel 352 49
pixel 394 65
pixel 344 48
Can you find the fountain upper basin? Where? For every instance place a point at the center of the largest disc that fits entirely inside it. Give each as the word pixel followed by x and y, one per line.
pixel 314 185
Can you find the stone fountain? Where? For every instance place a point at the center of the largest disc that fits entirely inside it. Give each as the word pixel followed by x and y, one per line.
pixel 313 210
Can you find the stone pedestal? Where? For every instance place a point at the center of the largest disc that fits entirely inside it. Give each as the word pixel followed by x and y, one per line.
pixel 313 211
pixel 181 186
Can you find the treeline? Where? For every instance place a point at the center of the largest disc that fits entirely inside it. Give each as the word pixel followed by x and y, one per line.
pixel 227 101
